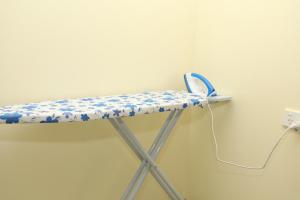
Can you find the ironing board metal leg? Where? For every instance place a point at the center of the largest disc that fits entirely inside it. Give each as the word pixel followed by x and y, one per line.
pixel 137 180
pixel 148 158
pixel 154 150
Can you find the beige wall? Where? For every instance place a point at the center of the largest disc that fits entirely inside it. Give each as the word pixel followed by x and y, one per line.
pixel 64 49
pixel 249 49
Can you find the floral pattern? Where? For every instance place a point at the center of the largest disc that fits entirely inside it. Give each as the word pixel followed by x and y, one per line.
pixel 85 109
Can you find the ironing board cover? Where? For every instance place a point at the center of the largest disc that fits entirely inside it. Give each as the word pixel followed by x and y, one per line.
pixel 84 109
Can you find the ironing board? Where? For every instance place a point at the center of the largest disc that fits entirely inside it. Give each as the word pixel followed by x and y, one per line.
pixel 113 108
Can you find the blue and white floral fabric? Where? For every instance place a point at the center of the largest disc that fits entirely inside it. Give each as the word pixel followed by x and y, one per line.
pixel 84 109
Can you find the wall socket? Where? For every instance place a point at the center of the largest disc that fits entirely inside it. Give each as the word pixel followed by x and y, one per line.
pixel 290 117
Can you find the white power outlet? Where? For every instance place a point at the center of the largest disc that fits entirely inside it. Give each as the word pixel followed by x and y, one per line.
pixel 291 116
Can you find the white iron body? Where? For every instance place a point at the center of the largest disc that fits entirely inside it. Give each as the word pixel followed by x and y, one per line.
pixel 198 84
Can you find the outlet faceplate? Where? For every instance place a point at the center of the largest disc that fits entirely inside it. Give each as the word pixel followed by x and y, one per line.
pixel 290 117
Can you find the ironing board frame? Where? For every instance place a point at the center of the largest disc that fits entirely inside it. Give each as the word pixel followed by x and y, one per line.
pixel 148 158
pixel 113 108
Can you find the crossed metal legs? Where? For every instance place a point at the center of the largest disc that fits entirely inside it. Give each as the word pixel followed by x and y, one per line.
pixel 147 159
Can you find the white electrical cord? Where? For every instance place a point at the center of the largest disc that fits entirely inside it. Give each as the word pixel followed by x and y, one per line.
pixel 293 125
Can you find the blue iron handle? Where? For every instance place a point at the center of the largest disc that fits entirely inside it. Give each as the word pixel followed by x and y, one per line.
pixel 210 87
